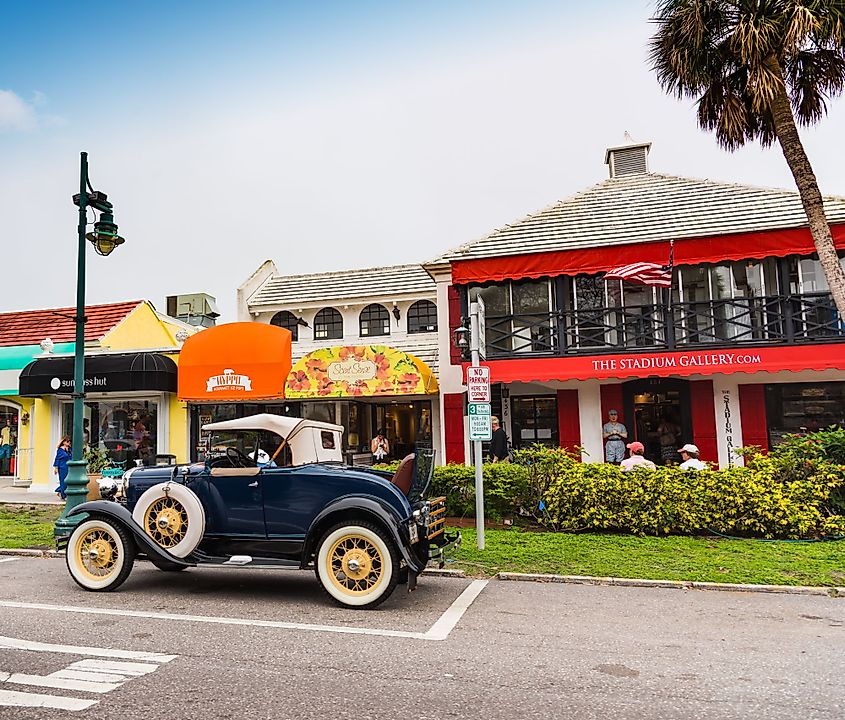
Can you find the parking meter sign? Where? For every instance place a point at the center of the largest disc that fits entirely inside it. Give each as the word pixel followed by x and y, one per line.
pixel 480 427
pixel 478 384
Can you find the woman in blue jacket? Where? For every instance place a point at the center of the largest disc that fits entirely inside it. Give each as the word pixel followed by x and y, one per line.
pixel 63 454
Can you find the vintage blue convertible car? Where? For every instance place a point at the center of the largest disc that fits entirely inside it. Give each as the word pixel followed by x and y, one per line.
pixel 272 493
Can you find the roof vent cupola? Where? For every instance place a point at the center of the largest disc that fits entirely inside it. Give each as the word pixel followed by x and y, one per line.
pixel 629 159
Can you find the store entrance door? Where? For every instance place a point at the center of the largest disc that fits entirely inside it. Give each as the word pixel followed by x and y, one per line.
pixel 662 418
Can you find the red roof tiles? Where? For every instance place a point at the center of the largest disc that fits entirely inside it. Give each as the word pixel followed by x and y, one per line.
pixel 30 327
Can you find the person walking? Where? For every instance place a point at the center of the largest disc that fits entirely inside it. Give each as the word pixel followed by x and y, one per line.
pixel 637 460
pixel 498 443
pixel 379 446
pixel 63 454
pixel 615 434
pixel 689 457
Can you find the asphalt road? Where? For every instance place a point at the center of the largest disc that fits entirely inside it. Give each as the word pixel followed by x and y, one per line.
pixel 267 644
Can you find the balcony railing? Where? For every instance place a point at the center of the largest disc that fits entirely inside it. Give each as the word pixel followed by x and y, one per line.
pixel 763 320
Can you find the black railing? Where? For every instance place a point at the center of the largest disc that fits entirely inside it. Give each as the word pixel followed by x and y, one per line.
pixel 774 319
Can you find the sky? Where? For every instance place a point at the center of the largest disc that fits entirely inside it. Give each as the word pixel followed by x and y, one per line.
pixel 322 135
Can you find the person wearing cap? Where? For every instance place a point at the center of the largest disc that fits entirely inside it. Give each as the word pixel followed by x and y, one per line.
pixel 689 457
pixel 498 443
pixel 615 434
pixel 636 460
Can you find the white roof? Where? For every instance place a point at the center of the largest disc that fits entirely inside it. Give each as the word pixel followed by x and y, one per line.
pixel 282 425
pixel 646 207
pixel 362 284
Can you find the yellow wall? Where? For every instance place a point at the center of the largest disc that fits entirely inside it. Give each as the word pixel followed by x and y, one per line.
pixel 179 430
pixel 44 449
pixel 141 329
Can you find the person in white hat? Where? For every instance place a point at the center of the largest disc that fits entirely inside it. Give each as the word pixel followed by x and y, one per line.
pixel 689 456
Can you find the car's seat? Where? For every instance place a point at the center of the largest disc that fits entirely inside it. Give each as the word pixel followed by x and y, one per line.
pixel 403 478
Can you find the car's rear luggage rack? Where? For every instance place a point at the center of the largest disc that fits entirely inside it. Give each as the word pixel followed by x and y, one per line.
pixel 436 517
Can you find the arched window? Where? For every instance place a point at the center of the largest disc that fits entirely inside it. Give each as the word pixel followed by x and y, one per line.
pixel 422 317
pixel 288 321
pixel 374 320
pixel 328 324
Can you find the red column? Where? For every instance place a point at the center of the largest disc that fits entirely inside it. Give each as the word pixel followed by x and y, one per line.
pixel 454 322
pixel 752 415
pixel 704 419
pixel 453 426
pixel 611 399
pixel 568 420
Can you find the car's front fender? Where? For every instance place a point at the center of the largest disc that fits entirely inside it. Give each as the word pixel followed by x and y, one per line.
pixel 119 513
pixel 363 507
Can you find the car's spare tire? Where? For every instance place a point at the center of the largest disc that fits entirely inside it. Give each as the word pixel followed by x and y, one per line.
pixel 172 516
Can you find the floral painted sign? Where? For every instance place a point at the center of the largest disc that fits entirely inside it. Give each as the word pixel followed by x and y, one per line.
pixel 359 371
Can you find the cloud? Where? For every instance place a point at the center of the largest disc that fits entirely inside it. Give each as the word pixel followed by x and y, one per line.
pixel 18 115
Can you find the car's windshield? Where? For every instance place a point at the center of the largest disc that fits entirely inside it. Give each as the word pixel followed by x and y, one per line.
pixel 264 448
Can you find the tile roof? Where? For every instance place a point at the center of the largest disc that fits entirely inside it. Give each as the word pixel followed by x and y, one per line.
pixel 646 207
pixel 346 285
pixel 30 327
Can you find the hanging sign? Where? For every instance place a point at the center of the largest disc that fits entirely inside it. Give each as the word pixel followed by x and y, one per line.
pixel 478 384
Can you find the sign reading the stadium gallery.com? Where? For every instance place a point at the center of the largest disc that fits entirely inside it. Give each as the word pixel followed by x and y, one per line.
pixel 679 360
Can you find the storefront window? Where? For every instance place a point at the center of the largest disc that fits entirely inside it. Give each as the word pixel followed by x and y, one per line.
pixel 803 408
pixel 127 430
pixel 9 415
pixel 534 420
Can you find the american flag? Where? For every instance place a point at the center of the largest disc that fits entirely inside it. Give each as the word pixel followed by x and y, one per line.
pixel 643 273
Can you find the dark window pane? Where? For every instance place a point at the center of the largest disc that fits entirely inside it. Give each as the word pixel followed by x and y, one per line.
pixel 328 325
pixel 287 320
pixel 422 317
pixel 803 407
pixel 374 320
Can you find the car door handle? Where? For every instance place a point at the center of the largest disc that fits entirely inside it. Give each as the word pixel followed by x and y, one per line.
pixel 253 484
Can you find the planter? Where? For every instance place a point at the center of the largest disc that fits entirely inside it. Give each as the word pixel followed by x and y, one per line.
pixel 93 486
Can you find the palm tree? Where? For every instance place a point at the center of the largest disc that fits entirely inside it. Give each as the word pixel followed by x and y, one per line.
pixel 757 68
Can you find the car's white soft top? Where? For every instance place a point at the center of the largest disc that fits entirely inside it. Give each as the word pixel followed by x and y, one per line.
pixel 305 438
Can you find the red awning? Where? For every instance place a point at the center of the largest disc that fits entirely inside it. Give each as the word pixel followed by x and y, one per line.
pixel 670 364
pixel 741 246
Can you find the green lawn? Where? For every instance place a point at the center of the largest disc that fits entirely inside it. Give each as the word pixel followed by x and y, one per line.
pixel 514 550
pixel 665 558
pixel 27 526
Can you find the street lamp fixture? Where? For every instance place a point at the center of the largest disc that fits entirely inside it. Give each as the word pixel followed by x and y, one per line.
pixel 105 239
pixel 461 335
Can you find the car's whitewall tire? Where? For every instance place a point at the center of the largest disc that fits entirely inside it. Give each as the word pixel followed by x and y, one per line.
pixel 356 565
pixel 100 554
pixel 172 515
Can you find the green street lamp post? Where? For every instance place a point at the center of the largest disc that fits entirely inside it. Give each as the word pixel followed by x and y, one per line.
pixel 105 239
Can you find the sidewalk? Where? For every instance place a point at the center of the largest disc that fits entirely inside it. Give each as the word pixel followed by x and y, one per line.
pixel 25 496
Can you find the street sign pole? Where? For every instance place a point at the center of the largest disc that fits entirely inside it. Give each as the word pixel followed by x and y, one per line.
pixel 475 344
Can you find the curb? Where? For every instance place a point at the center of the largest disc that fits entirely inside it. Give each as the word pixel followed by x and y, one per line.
pixel 444 572
pixel 836 592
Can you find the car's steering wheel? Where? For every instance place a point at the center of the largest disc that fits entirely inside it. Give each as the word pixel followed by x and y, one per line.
pixel 238 459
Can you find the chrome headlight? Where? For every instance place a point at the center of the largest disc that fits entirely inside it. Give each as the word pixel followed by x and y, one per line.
pixel 108 488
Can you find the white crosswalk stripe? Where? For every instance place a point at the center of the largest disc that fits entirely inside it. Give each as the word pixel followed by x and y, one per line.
pixel 104 670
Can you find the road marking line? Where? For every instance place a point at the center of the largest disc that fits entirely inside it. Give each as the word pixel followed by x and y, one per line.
pixel 69 674
pixel 439 631
pixel 113 666
pixel 449 619
pixel 17 644
pixel 12 698
pixel 52 681
pixel 8 559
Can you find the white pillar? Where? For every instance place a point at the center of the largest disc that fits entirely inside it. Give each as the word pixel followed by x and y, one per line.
pixel 589 415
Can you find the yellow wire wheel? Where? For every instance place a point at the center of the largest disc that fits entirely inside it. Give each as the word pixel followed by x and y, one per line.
pixel 356 565
pixel 173 516
pixel 99 555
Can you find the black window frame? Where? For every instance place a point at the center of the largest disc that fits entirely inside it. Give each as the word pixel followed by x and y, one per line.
pixel 333 324
pixel 374 313
pixel 420 310
pixel 292 319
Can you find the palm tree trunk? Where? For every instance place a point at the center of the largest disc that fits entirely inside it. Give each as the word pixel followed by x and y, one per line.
pixel 808 189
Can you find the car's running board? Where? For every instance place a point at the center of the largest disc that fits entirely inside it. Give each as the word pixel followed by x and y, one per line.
pixel 245 561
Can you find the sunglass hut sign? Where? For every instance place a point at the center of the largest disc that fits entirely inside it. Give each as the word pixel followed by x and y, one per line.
pixel 228 381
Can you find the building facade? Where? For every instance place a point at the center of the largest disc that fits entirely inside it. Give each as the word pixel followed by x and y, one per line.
pixel 746 346
pixel 131 411
pixel 364 351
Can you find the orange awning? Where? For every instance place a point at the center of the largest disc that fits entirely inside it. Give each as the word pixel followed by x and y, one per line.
pixel 242 361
